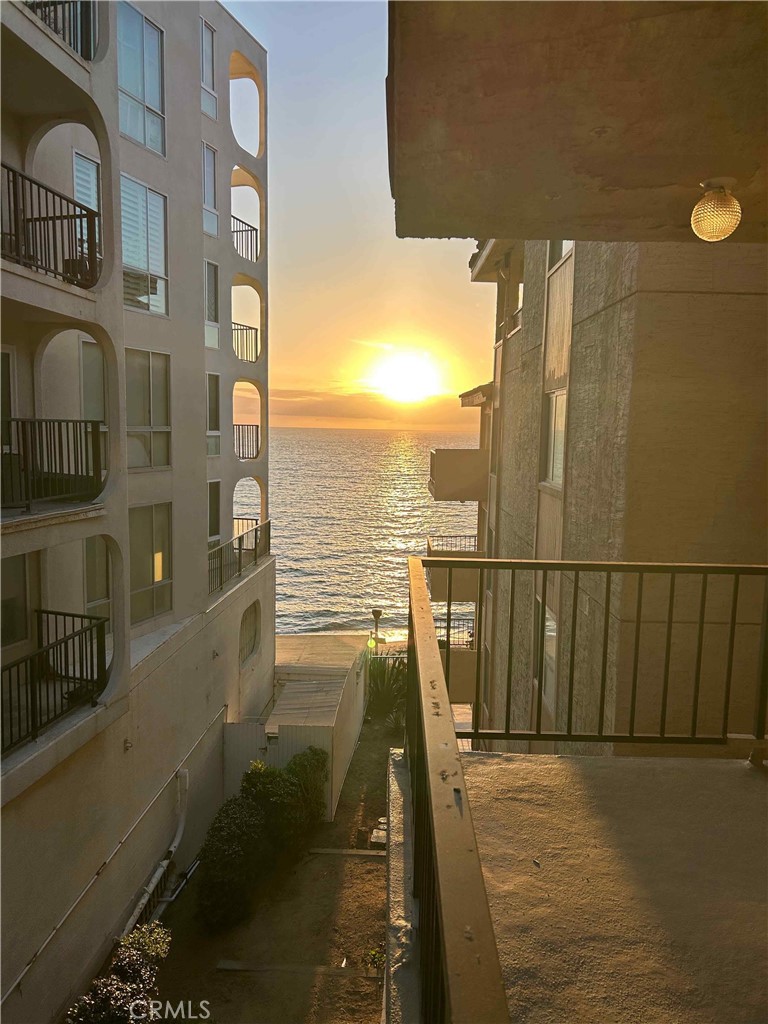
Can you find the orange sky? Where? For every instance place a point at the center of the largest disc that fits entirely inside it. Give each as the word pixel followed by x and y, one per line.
pixel 344 292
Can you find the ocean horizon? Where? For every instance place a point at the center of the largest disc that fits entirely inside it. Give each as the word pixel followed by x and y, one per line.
pixel 348 506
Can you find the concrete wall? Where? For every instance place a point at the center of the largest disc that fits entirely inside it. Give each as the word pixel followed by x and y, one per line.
pixel 89 809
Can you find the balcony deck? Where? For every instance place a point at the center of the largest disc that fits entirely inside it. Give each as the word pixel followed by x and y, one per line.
pixel 625 890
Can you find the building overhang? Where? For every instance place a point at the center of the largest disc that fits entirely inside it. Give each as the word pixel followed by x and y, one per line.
pixel 477 397
pixel 494 255
pixel 574 120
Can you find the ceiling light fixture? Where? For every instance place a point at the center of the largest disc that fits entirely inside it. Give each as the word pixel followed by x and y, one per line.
pixel 717 214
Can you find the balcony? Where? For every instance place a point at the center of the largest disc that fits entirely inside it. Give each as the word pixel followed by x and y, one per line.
pixel 536 859
pixel 67 670
pixel 464 582
pixel 245 342
pixel 246 437
pixel 47 231
pixel 246 239
pixel 50 461
pixel 458 474
pixel 74 21
pixel 458 654
pixel 238 556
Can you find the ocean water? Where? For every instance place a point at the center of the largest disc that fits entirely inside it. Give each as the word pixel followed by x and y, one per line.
pixel 347 508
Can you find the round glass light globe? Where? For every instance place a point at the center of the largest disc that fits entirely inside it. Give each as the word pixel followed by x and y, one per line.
pixel 716 215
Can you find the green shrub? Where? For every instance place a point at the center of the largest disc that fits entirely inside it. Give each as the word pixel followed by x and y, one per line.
pixel 235 851
pixel 310 771
pixel 277 797
pixel 387 686
pixel 130 984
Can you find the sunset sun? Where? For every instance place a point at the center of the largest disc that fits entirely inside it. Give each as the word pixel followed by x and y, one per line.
pixel 406 377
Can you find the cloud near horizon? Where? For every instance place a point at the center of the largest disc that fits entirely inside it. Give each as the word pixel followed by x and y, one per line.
pixel 294 406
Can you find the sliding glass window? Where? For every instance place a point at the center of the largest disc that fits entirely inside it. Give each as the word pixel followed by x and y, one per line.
pixel 140 78
pixel 148 408
pixel 145 249
pixel 149 530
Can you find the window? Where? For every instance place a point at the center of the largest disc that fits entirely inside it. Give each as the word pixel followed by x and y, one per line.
pixel 14 624
pixel 550 648
pixel 213 417
pixel 97 584
pixel 210 216
pixel 149 530
pixel 6 396
pixel 208 100
pixel 145 258
pixel 250 631
pixel 214 517
pixel 140 78
pixel 211 305
pixel 87 189
pixel 555 438
pixel 148 408
pixel 557 249
pixel 94 403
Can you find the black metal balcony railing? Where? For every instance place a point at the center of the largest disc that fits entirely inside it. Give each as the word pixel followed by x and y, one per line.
pixel 645 653
pixel 245 341
pixel 461 631
pixel 74 21
pixel 48 460
pixel 237 556
pixel 246 437
pixel 632 652
pixel 246 239
pixel 47 231
pixel 454 542
pixel 67 669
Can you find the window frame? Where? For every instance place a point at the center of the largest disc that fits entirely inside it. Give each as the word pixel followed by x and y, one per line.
pixel 552 399
pixel 79 154
pixel 211 325
pixel 211 433
pixel 206 89
pixel 214 539
pixel 151 428
pixel 141 270
pixel 553 262
pixel 211 210
pixel 121 90
pixel 156 584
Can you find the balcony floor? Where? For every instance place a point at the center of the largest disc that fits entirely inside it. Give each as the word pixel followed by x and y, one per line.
pixel 625 890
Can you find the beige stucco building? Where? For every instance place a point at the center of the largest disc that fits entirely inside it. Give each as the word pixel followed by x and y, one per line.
pixel 138 612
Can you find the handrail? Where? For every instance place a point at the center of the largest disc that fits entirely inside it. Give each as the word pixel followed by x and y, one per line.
pixel 48 231
pixel 245 238
pixel 234 557
pixel 694 568
pixel 453 542
pixel 460 973
pixel 246 439
pixel 74 21
pixel 45 459
pixel 57 677
pixel 245 342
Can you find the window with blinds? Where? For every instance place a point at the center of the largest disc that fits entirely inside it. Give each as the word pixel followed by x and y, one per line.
pixel 213 413
pixel 208 99
pixel 211 304
pixel 140 78
pixel 145 260
pixel 87 187
pixel 148 408
pixel 210 216
pixel 149 534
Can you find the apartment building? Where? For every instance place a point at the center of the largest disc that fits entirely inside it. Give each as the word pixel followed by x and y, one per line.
pixel 137 610
pixel 620 580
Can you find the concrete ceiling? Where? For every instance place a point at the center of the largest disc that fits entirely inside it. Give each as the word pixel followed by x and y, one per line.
pixel 574 120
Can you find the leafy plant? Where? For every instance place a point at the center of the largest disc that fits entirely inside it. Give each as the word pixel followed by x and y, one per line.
pixel 277 798
pixel 309 769
pixel 234 851
pixel 375 959
pixel 387 686
pixel 124 994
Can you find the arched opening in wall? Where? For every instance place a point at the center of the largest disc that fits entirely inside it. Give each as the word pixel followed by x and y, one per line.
pixel 51 215
pixel 56 634
pixel 246 109
pixel 247 505
pixel 250 632
pixel 71 437
pixel 246 417
pixel 247 222
pixel 247 318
